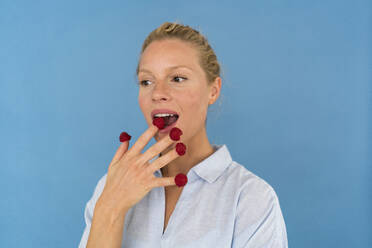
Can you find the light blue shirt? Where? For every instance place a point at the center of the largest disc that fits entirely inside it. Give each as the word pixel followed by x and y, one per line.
pixel 222 205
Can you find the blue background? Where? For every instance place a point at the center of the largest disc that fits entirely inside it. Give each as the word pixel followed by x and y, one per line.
pixel 295 107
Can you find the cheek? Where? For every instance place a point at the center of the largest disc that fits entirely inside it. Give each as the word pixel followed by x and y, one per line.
pixel 196 102
pixel 142 103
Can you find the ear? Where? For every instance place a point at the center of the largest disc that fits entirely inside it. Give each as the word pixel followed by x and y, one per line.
pixel 215 89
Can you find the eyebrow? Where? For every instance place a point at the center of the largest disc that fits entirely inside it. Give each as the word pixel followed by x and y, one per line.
pixel 169 68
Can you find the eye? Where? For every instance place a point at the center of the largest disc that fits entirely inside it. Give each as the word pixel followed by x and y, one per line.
pixel 177 77
pixel 143 83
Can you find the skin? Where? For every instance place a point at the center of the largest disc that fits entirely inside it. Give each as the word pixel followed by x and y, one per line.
pixel 189 97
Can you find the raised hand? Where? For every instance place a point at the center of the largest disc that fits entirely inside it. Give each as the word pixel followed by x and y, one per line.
pixel 130 175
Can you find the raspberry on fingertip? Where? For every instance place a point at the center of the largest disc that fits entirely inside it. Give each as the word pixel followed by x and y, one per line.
pixel 180 179
pixel 124 136
pixel 175 133
pixel 180 148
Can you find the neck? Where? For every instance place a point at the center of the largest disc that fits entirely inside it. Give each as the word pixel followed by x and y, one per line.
pixel 197 149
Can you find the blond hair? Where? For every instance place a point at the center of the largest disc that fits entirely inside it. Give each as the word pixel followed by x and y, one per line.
pixel 173 30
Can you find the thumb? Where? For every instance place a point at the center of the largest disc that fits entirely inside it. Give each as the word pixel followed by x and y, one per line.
pixel 124 138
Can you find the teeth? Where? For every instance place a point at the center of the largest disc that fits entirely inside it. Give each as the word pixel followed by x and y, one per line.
pixel 163 115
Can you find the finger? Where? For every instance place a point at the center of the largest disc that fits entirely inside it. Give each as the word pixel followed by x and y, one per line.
pixel 143 140
pixel 157 148
pixel 163 160
pixel 120 152
pixel 163 182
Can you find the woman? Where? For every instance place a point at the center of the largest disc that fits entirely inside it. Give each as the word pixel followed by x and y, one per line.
pixel 183 191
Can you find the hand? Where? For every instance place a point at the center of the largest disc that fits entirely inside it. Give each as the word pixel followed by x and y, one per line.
pixel 130 176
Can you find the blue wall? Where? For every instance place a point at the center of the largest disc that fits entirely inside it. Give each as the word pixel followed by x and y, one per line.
pixel 296 84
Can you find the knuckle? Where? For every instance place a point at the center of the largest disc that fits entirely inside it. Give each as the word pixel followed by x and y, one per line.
pixel 151 151
pixel 168 141
pixel 150 168
pixel 170 181
pixel 141 143
pixel 129 152
pixel 154 129
pixel 151 185
pixel 165 142
pixel 134 162
pixel 160 162
pixel 147 186
pixel 139 161
pixel 175 153
pixel 132 159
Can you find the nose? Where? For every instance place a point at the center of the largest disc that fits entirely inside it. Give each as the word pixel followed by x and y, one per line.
pixel 160 92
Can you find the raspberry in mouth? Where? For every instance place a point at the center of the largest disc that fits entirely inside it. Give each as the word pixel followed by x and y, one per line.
pixel 167 120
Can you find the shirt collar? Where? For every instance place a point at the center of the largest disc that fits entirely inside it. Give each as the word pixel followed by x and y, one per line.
pixel 211 167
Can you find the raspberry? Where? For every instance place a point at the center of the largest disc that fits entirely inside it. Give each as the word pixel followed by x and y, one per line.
pixel 175 133
pixel 181 148
pixel 180 179
pixel 124 137
pixel 159 122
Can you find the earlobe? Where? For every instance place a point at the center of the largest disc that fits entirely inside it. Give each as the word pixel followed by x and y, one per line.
pixel 216 87
pixel 212 97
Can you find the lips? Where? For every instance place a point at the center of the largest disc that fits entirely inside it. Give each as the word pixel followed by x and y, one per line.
pixel 162 111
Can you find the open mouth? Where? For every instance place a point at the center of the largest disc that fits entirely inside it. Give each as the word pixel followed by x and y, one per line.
pixel 168 120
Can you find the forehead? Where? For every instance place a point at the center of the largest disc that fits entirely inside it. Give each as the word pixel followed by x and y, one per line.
pixel 169 53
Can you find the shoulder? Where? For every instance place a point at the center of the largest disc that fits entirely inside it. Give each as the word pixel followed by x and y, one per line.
pixel 257 210
pixel 249 184
pixel 258 217
pixel 256 198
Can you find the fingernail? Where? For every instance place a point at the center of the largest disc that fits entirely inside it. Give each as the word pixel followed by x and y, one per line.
pixel 180 179
pixel 159 122
pixel 175 133
pixel 181 148
pixel 124 136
